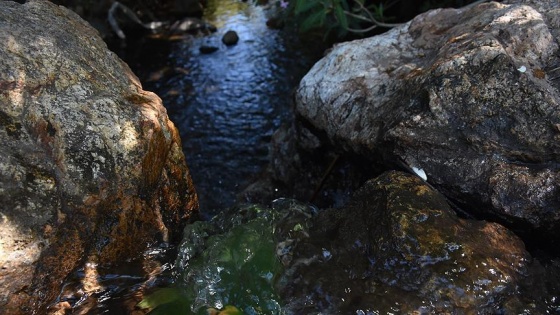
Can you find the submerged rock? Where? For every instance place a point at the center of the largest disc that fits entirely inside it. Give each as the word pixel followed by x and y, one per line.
pixel 208 48
pixel 232 262
pixel 91 168
pixel 468 95
pixel 398 247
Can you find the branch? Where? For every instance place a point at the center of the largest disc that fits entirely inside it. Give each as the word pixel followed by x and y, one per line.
pixel 130 14
pixel 371 19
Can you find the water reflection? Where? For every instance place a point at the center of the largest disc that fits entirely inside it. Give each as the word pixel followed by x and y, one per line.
pixel 227 104
pixel 219 12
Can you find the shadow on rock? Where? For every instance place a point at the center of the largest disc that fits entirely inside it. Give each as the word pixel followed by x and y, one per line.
pixel 399 247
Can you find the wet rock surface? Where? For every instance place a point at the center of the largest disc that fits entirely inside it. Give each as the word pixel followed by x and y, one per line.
pixel 91 168
pixel 468 95
pixel 398 247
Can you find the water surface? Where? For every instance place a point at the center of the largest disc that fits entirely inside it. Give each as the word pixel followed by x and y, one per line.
pixel 226 104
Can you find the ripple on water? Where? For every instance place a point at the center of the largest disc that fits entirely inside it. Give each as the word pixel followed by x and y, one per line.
pixel 227 104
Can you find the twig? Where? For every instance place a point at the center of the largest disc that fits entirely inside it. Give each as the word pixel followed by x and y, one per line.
pixel 365 30
pixel 370 18
pixel 130 14
pixel 325 175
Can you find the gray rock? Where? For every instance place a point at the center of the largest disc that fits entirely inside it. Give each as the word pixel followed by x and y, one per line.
pixel 468 95
pixel 398 247
pixel 230 38
pixel 91 167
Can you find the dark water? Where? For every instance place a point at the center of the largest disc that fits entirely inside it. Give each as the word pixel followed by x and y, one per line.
pixel 226 104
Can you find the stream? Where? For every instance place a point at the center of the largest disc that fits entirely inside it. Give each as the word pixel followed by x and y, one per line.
pixel 228 103
pixel 226 106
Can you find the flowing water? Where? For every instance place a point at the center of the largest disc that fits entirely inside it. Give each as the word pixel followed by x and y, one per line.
pixel 226 104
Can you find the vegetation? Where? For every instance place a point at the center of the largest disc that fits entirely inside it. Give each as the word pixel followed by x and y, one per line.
pixel 355 17
pixel 338 16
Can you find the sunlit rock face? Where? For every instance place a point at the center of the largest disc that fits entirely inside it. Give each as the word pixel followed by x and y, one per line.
pixel 399 248
pixel 91 168
pixel 469 95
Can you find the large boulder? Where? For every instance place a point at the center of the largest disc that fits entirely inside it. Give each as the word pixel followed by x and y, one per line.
pixel 91 168
pixel 398 247
pixel 468 95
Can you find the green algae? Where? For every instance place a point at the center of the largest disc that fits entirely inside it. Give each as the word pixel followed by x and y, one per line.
pixel 230 263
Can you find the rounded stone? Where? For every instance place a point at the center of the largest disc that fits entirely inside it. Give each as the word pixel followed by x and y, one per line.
pixel 230 38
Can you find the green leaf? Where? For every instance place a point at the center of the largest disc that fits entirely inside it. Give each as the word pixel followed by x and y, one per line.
pixel 305 5
pixel 314 20
pixel 340 16
pixel 344 4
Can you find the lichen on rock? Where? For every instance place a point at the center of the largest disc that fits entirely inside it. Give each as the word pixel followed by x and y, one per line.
pixel 443 93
